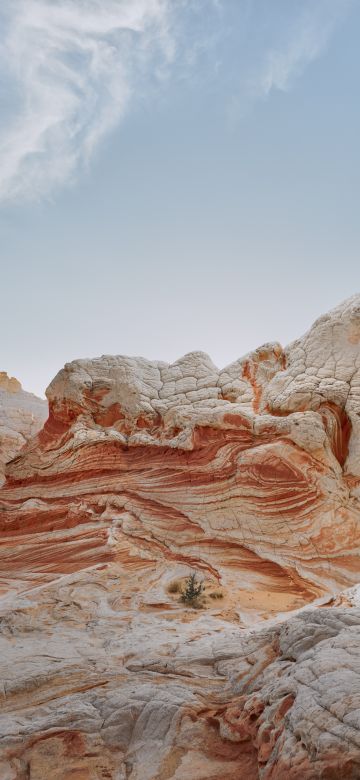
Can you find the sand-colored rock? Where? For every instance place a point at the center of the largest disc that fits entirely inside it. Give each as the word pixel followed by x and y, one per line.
pixel 97 686
pixel 144 472
pixel 22 415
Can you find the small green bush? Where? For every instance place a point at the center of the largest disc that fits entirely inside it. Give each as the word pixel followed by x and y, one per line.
pixel 192 592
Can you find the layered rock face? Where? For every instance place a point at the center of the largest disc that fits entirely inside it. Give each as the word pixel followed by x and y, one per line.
pixel 250 474
pixel 21 417
pixel 145 472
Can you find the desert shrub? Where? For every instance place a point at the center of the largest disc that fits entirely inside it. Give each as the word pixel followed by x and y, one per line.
pixel 174 587
pixel 192 592
pixel 216 594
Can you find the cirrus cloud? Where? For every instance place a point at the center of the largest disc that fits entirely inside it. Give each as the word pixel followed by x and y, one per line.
pixel 68 68
pixel 71 66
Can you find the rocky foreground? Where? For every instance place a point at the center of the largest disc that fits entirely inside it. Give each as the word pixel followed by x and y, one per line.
pixel 143 473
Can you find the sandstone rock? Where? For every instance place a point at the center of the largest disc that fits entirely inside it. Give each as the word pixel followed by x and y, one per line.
pixel 21 417
pixel 93 688
pixel 142 473
pixel 245 473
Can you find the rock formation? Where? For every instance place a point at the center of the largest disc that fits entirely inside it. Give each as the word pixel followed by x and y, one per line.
pixel 21 416
pixel 99 683
pixel 143 473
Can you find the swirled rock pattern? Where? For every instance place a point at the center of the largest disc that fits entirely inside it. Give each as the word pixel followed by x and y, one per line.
pixel 93 689
pixel 21 417
pixel 142 473
pixel 248 473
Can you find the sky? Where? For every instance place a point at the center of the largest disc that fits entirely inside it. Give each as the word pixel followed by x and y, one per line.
pixel 175 175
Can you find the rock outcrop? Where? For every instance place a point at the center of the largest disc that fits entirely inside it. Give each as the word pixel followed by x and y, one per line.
pixel 21 417
pixel 99 685
pixel 249 474
pixel 145 472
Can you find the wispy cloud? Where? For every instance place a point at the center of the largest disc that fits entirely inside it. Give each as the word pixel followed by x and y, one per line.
pixel 280 40
pixel 68 68
pixel 302 39
pixel 70 65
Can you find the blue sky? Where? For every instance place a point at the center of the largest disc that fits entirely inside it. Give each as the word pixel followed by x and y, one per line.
pixel 174 176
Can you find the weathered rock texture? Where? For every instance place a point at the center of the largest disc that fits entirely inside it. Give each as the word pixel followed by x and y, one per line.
pixel 21 417
pixel 94 688
pixel 144 472
pixel 251 473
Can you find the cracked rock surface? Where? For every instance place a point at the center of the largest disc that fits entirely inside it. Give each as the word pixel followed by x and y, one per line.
pixel 94 690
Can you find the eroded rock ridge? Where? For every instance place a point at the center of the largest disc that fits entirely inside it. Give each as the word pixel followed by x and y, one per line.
pixel 143 473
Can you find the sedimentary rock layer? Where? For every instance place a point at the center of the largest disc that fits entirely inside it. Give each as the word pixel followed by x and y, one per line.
pixel 249 473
